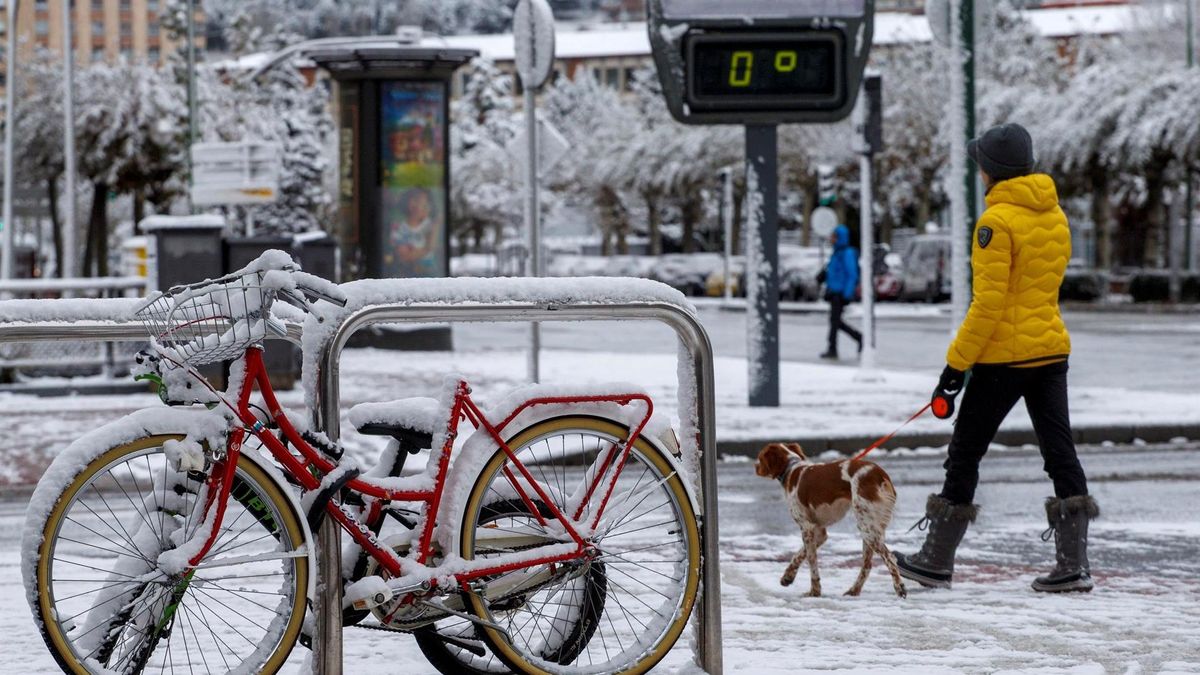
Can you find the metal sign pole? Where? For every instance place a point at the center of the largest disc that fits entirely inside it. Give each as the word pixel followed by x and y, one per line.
pixel 762 266
pixel 533 33
pixel 867 273
pixel 533 225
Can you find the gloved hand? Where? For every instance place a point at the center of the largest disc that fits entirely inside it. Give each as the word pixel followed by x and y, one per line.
pixel 822 276
pixel 948 387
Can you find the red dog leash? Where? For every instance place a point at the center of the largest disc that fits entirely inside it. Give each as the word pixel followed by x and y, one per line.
pixel 932 404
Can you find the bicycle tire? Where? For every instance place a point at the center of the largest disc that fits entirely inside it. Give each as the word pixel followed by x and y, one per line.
pixel 669 548
pixel 72 520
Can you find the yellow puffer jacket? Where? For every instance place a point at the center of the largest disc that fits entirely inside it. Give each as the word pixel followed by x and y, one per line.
pixel 1019 254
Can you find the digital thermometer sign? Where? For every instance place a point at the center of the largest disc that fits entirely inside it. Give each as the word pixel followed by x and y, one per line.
pixel 731 71
pixel 753 62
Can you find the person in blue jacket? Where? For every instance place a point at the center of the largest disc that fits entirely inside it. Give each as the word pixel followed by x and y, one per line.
pixel 841 285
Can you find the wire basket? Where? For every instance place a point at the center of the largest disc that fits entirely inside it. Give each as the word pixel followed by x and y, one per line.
pixel 210 321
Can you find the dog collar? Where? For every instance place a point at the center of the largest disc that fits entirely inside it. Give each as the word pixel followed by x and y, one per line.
pixel 792 463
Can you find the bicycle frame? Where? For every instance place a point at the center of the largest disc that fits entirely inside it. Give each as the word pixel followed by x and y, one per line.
pixel 307 469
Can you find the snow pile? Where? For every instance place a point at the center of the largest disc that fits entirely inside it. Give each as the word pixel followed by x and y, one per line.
pixel 68 311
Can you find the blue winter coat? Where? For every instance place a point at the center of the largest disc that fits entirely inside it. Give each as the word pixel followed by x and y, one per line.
pixel 841 274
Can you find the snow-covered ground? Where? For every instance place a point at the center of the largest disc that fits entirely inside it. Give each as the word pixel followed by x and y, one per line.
pixel 817 400
pixel 1142 617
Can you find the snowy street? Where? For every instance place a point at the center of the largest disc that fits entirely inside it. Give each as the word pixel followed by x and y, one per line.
pixel 1141 618
pixel 1127 349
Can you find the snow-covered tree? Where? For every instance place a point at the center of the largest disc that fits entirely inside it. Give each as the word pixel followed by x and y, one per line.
pixel 38 143
pixel 485 193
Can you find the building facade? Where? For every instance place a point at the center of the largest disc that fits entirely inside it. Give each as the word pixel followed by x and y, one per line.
pixel 103 30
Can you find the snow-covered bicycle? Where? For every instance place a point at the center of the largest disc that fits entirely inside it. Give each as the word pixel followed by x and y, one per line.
pixel 560 538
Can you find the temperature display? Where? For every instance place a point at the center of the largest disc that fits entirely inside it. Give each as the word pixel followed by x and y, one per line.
pixel 773 70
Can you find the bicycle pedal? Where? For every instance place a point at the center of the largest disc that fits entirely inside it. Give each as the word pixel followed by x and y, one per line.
pixel 367 593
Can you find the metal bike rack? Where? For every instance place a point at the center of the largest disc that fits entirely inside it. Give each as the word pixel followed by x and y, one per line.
pixel 328 646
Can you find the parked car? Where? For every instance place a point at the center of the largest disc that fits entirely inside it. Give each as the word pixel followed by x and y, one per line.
pixel 714 283
pixel 925 274
pixel 888 272
pixel 686 272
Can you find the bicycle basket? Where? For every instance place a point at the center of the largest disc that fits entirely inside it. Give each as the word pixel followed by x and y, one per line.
pixel 210 321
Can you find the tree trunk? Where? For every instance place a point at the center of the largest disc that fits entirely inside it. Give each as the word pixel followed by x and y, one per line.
pixel 1156 221
pixel 97 238
pixel 139 210
pixel 55 226
pixel 1101 214
pixel 739 199
pixel 653 222
pixel 689 212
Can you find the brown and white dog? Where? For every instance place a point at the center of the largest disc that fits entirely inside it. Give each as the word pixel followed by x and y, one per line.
pixel 820 495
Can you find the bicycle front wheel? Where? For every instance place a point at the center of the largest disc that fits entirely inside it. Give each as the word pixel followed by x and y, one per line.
pixel 617 611
pixel 104 604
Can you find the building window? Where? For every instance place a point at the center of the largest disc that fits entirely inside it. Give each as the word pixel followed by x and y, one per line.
pixel 126 29
pixel 97 5
pixel 125 5
pixel 97 28
pixel 152 54
pixel 612 77
pixel 97 53
pixel 152 29
pixel 126 53
pixel 42 27
pixel 152 5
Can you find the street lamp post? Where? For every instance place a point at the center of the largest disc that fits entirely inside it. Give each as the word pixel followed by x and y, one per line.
pixel 191 94
pixel 10 86
pixel 67 261
pixel 1190 201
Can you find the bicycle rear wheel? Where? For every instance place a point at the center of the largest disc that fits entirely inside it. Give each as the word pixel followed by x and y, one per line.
pixel 647 542
pixel 104 604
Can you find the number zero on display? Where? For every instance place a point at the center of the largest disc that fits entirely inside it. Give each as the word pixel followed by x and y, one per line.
pixel 764 70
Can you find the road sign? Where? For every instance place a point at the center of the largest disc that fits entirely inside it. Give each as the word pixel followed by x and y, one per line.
pixel 226 174
pixel 551 145
pixel 942 24
pixel 824 220
pixel 533 31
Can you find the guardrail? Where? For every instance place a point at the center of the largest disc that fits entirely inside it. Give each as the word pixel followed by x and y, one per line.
pixel 328 646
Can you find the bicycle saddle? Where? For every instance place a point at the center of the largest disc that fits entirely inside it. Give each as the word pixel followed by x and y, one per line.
pixel 411 421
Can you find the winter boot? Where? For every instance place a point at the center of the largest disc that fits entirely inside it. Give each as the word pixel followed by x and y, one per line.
pixel 830 354
pixel 1068 520
pixel 933 565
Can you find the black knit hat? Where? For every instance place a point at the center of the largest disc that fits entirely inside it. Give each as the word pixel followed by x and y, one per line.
pixel 1003 152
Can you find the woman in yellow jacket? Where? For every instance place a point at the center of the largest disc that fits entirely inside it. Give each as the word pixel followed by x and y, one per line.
pixel 1015 345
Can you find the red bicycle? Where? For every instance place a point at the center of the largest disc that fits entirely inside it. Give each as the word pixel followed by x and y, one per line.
pixel 560 537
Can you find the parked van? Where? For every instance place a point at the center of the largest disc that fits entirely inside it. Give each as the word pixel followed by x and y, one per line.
pixel 926 271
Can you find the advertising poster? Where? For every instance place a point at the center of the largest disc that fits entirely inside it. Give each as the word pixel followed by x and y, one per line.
pixel 413 167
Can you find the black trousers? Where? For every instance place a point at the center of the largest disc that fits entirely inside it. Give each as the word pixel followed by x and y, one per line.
pixel 837 304
pixel 990 395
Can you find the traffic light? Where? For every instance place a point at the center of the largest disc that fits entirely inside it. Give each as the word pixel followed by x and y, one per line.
pixel 826 191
